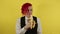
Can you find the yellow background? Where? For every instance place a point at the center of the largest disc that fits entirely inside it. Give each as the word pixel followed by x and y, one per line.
pixel 47 10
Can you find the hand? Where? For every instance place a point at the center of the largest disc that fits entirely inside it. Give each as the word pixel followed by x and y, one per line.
pixel 27 26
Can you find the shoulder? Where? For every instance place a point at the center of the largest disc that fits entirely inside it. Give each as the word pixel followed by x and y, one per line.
pixel 36 17
pixel 18 19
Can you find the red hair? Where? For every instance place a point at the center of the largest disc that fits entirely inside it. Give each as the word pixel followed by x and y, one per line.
pixel 25 8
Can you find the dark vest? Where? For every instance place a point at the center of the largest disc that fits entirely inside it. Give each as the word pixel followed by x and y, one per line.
pixel 29 31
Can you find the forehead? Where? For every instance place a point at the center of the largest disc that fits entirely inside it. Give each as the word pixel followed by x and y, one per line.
pixel 30 7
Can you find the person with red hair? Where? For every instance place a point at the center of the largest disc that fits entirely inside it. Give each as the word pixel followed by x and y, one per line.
pixel 28 24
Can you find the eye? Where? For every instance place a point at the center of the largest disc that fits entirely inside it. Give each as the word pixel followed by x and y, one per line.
pixel 30 9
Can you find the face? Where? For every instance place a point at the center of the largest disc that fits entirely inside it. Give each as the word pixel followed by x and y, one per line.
pixel 29 12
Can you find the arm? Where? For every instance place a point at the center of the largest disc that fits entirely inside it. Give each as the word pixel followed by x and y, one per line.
pixel 19 30
pixel 39 30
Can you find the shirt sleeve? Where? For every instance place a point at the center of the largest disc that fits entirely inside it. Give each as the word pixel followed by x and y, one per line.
pixel 19 30
pixel 39 30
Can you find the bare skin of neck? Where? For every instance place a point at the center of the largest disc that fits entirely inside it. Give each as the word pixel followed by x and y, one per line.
pixel 28 16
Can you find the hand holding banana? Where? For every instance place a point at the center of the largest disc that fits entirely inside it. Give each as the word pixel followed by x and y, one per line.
pixel 32 23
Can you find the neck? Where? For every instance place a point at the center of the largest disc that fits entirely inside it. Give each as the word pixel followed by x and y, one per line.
pixel 28 16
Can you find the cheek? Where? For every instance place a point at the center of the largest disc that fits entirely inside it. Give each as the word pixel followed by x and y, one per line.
pixel 30 13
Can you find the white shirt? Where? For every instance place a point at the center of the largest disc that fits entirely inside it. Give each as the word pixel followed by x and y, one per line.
pixel 20 30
